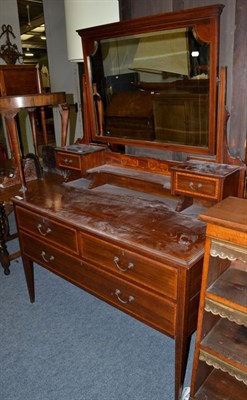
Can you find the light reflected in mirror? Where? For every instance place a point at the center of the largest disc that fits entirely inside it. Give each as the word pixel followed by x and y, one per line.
pixel 153 87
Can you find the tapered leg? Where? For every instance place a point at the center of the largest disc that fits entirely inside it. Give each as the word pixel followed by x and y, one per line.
pixel 32 117
pixel 28 269
pixel 64 113
pixel 182 338
pixel 14 145
pixel 181 353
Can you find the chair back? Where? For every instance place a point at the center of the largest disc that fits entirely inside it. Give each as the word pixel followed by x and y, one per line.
pixel 19 80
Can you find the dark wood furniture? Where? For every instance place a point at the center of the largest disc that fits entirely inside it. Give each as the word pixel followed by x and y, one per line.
pixel 181 116
pixel 220 363
pixel 115 231
pixel 18 80
pixel 75 160
pixel 204 180
pixel 152 32
pixel 16 182
pixel 131 250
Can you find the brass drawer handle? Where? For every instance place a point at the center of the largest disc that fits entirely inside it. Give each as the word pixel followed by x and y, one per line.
pixel 118 293
pixel 39 227
pixel 195 188
pixel 67 161
pixel 43 255
pixel 129 266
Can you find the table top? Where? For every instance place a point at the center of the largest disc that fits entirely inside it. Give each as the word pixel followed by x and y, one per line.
pixel 136 220
pixel 230 213
pixel 31 100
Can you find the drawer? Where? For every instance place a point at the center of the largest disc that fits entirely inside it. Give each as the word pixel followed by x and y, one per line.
pixel 147 307
pixel 131 266
pixel 67 160
pixel 42 253
pixel 143 305
pixel 48 230
pixel 196 186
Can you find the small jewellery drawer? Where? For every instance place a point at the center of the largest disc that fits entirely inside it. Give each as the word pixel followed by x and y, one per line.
pixel 141 304
pixel 66 266
pixel 131 266
pixel 67 160
pixel 47 230
pixel 196 186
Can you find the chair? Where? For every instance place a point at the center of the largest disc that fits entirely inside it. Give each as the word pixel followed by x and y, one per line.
pixel 20 87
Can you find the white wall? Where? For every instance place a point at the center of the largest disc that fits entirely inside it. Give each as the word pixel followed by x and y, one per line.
pixel 80 14
pixel 63 73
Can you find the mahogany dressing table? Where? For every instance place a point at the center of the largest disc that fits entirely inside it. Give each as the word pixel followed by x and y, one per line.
pixel 124 227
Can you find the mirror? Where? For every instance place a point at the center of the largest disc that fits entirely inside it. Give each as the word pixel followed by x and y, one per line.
pixel 152 81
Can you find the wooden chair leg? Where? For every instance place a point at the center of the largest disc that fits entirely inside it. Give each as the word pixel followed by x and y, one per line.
pixel 32 117
pixel 43 124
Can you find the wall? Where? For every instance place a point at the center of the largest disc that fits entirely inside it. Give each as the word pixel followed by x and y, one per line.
pixel 63 73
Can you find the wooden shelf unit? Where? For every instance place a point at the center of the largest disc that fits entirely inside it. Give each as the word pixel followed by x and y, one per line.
pixel 220 360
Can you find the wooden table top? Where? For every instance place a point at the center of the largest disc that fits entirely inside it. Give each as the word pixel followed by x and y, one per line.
pixel 230 213
pixel 31 100
pixel 130 218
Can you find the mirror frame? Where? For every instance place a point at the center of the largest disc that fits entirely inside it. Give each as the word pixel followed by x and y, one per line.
pixel 205 21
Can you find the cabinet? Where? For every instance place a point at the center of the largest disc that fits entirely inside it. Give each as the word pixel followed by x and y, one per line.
pixel 130 250
pixel 203 180
pixel 78 158
pixel 220 360
pixel 181 117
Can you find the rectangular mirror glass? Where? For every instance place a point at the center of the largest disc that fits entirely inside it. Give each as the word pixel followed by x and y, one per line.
pixel 153 81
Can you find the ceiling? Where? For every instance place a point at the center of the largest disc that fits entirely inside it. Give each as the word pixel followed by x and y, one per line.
pixel 32 29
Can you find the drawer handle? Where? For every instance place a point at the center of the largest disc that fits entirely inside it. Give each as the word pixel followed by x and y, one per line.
pixel 39 227
pixel 67 161
pixel 195 188
pixel 116 261
pixel 118 293
pixel 43 255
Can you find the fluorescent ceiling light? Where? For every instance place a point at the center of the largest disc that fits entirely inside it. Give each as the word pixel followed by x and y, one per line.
pixel 26 37
pixel 39 29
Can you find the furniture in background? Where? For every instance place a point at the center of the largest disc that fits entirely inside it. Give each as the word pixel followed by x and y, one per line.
pixel 15 182
pixel 18 80
pixel 220 362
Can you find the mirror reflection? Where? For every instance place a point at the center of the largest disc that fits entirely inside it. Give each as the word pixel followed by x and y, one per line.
pixel 153 87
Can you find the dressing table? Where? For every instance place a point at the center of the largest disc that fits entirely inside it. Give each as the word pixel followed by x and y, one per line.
pixel 126 229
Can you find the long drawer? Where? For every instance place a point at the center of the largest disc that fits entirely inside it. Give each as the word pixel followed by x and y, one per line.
pixel 131 266
pixel 47 229
pixel 141 304
pixel 42 253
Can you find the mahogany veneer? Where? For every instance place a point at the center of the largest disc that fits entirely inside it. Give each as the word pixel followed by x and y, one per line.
pixel 129 249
